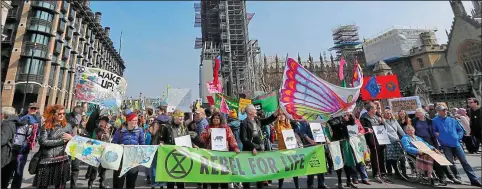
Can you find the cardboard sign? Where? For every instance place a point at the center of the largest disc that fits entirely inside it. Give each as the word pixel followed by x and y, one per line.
pixel 409 104
pixel 352 130
pixel 381 134
pixel 317 131
pixel 218 139
pixel 436 157
pixel 289 138
pixel 184 141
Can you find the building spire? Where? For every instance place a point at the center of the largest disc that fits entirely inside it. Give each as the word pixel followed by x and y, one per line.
pixel 458 8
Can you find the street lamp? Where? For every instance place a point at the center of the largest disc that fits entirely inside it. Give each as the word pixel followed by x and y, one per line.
pixel 28 74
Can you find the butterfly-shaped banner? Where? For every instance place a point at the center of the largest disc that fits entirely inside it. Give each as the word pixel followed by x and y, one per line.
pixel 303 96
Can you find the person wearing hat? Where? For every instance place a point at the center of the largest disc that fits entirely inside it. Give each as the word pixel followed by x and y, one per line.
pixel 101 133
pixel 129 134
pixel 174 129
pixel 29 121
pixel 449 132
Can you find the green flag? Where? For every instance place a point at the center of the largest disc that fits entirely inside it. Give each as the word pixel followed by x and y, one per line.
pixel 343 83
pixel 268 101
pixel 181 164
pixel 233 103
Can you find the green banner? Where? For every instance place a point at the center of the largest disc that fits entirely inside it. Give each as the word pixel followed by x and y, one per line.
pixel 233 103
pixel 268 101
pixel 181 164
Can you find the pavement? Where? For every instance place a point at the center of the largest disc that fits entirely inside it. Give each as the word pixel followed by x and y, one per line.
pixel 330 179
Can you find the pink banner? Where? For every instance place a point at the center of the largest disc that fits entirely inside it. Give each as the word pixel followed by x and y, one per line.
pixel 214 89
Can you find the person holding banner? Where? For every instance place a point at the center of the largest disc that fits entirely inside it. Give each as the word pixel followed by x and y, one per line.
pixel 350 119
pixel 377 151
pixel 217 121
pixel 303 129
pixel 283 123
pixel 130 134
pixel 339 130
pixel 252 135
pixel 424 162
pixel 174 129
pixel 155 140
pixel 53 168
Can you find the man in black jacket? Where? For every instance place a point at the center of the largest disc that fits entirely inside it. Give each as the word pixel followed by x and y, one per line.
pixel 475 119
pixel 252 135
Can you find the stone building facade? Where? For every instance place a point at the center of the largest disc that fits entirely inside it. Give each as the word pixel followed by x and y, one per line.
pixel 52 36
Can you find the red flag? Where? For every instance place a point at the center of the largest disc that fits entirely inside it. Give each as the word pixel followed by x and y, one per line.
pixel 210 100
pixel 224 108
pixel 380 87
pixel 340 69
pixel 217 66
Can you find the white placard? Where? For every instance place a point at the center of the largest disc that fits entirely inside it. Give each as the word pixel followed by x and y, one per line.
pixel 184 141
pixel 352 130
pixel 289 138
pixel 218 139
pixel 317 131
pixel 381 134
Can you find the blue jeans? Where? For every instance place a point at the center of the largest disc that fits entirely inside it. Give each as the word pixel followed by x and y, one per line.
pixel 450 152
pixel 18 173
pixel 360 168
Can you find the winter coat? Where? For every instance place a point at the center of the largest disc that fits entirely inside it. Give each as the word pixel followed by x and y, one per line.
pixel 246 133
pixel 52 146
pixel 367 123
pixel 234 124
pixel 230 139
pixel 9 127
pixel 126 137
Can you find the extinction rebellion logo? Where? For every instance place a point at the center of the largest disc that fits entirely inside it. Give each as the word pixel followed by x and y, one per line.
pixel 177 164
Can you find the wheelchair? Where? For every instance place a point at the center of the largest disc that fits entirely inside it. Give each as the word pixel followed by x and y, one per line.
pixel 407 166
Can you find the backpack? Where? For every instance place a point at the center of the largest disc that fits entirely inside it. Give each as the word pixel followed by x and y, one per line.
pixel 25 138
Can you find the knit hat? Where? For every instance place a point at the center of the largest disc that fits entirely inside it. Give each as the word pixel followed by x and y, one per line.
pixel 131 116
pixel 233 114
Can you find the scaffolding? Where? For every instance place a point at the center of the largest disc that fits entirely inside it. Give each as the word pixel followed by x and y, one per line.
pixel 224 28
pixel 346 40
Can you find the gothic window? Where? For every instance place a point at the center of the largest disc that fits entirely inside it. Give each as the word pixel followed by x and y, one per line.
pixel 470 55
pixel 420 62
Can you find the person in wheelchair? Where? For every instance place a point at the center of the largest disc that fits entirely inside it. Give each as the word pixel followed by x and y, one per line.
pixel 424 162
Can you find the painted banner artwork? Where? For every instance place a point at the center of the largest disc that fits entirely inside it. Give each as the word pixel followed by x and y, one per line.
pixel 409 104
pixel 356 144
pixel 181 164
pixel 85 149
pixel 303 96
pixel 179 99
pixel 214 89
pixel 112 156
pixel 336 156
pixel 135 155
pixel 380 87
pixel 98 86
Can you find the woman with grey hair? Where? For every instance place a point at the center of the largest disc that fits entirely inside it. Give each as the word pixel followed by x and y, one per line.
pixel 394 149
